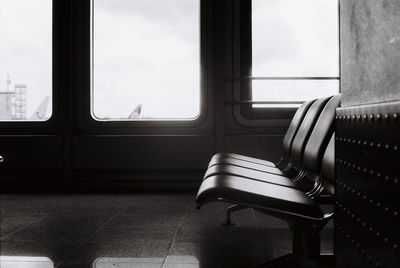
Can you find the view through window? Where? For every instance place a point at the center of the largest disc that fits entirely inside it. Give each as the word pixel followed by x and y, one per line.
pixel 25 60
pixel 295 50
pixel 146 59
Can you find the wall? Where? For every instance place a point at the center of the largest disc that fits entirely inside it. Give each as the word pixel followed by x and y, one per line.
pixel 370 51
pixel 367 141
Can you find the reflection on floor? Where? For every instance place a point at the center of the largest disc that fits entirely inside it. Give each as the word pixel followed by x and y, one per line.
pixel 105 231
pixel 25 262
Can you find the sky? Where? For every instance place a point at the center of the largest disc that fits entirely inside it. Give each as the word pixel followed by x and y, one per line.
pixel 148 52
pixel 26 48
pixel 294 38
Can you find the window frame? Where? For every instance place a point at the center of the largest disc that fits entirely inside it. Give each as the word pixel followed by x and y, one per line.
pixel 242 104
pixel 156 123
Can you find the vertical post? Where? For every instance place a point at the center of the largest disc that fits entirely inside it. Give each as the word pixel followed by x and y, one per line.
pixel 306 245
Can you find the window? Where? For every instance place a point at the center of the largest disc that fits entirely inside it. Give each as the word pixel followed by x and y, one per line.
pixel 295 51
pixel 145 60
pixel 25 60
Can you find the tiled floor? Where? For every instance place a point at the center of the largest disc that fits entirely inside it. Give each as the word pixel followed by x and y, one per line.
pixel 159 230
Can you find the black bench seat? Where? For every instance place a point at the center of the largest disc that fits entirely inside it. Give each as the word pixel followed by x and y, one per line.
pixel 249 174
pixel 237 190
pixel 319 110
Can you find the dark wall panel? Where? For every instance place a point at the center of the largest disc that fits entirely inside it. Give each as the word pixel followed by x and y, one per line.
pixel 367 211
pixel 142 152
pixel 31 152
pixel 265 147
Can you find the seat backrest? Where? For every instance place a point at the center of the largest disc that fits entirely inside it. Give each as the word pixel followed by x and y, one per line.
pixel 294 126
pixel 305 129
pixel 319 138
pixel 328 162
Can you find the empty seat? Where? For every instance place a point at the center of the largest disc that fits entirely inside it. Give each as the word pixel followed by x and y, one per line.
pixel 302 213
pixel 296 146
pixel 286 145
pixel 312 154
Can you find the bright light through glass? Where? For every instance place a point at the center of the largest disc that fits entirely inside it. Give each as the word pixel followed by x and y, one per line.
pixel 292 38
pixel 25 60
pixel 146 59
pixel 25 262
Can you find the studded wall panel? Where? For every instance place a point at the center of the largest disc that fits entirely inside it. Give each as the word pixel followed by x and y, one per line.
pixel 367 221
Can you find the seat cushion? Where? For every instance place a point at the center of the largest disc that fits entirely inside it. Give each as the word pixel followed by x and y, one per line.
pixel 241 157
pixel 249 174
pixel 268 197
pixel 246 164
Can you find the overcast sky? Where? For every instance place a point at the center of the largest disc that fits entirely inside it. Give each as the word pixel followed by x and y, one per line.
pixel 26 48
pixel 295 38
pixel 147 51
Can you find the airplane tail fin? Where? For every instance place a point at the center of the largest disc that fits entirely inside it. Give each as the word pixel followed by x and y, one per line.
pixel 136 112
pixel 41 111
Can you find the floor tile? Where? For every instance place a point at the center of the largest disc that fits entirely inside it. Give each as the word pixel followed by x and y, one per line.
pixel 140 230
pixel 13 223
pixel 145 220
pixel 115 234
pixel 65 227
pixel 55 251
pixel 143 248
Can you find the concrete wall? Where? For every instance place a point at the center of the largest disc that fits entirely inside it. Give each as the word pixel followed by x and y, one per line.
pixel 370 51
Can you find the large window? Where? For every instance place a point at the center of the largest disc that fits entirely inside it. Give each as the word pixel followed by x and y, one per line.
pixel 295 51
pixel 25 60
pixel 146 59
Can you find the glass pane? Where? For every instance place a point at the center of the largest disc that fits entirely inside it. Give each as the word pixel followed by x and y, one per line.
pixel 25 60
pixel 292 90
pixel 146 59
pixel 295 38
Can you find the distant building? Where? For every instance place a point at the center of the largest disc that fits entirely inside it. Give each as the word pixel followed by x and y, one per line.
pixel 13 102
pixel 5 107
